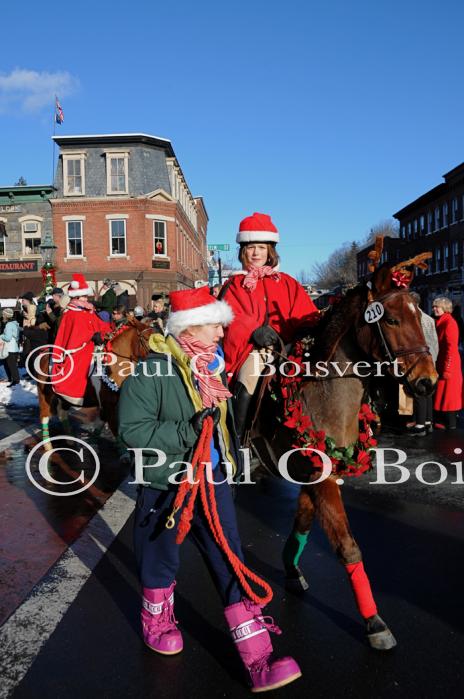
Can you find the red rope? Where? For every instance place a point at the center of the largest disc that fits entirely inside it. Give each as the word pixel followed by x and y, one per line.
pixel 201 456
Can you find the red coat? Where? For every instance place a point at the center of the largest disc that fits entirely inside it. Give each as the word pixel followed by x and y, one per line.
pixel 288 304
pixel 449 387
pixel 77 326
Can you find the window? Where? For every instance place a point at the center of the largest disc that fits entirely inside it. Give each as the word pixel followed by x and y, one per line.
pixel 415 228
pixel 117 237
pixel 31 235
pixel 159 238
pixel 422 224
pixel 445 214
pixel 73 174
pixel 116 173
pixel 438 260
pixel 454 254
pixel 429 222
pixel 437 218
pixel 445 257
pixel 403 231
pixel 409 231
pixel 454 210
pixel 74 238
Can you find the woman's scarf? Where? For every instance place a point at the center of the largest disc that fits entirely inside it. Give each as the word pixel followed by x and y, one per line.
pixel 85 305
pixel 212 390
pixel 255 273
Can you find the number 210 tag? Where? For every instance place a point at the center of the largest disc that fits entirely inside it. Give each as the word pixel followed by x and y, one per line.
pixel 374 312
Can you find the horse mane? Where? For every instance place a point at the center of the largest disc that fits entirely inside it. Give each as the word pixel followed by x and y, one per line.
pixel 336 321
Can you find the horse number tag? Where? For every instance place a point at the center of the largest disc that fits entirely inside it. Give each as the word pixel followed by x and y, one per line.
pixel 374 312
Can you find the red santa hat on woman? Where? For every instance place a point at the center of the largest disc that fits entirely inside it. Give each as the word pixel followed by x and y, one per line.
pixel 257 229
pixel 79 286
pixel 196 307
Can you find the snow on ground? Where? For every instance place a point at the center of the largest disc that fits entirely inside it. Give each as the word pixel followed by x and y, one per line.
pixel 24 395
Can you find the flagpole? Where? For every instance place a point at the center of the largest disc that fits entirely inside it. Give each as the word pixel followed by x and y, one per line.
pixel 54 131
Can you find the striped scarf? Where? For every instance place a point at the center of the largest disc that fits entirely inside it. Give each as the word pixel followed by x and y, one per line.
pixel 254 273
pixel 212 391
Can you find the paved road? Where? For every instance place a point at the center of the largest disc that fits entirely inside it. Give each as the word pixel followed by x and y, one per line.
pixel 412 539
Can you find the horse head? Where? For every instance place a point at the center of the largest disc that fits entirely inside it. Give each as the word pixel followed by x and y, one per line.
pixel 391 327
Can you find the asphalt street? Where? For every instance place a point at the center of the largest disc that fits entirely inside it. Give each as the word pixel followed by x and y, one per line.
pixel 411 535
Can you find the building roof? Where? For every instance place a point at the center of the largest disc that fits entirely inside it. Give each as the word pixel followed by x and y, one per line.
pixel 421 201
pixel 92 139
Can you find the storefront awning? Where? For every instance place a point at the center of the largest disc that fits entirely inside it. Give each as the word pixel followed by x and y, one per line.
pixel 11 287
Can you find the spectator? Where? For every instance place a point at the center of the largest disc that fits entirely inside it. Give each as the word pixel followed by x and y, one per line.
pixel 122 296
pixel 423 405
pixel 448 397
pixel 29 309
pixel 119 317
pixel 139 313
pixel 158 315
pixel 107 300
pixel 10 338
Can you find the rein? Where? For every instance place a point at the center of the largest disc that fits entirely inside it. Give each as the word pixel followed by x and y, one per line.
pixel 200 484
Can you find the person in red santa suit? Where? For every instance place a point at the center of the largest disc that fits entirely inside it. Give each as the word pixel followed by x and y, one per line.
pixel 80 329
pixel 266 303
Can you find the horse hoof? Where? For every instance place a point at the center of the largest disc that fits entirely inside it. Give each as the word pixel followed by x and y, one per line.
pixel 296 583
pixel 379 635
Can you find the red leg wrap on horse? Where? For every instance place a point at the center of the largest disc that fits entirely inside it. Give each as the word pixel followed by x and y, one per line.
pixel 361 589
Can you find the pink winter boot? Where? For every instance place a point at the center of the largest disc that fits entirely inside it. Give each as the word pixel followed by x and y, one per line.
pixel 250 632
pixel 158 621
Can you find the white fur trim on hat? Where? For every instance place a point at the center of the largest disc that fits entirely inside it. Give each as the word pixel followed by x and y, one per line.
pixel 257 237
pixel 217 312
pixel 79 292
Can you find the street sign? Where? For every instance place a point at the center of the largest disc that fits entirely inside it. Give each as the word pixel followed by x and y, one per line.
pixel 222 246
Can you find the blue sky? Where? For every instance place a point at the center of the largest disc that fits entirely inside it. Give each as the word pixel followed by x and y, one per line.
pixel 329 116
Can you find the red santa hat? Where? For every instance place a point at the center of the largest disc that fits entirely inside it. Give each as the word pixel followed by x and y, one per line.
pixel 79 286
pixel 196 307
pixel 257 229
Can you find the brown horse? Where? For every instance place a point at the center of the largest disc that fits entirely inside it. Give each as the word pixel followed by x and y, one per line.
pixel 333 405
pixel 125 349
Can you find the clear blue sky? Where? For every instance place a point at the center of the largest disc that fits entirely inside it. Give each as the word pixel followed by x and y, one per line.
pixel 328 116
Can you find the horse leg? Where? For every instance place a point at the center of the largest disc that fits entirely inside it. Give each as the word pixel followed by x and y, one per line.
pixel 62 412
pixel 331 513
pixel 295 581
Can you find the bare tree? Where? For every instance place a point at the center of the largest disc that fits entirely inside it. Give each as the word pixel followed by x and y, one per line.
pixel 21 182
pixel 339 269
pixel 388 227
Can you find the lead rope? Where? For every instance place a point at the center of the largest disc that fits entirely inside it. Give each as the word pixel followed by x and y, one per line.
pixel 201 456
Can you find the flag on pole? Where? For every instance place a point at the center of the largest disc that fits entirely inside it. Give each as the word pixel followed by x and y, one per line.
pixel 59 116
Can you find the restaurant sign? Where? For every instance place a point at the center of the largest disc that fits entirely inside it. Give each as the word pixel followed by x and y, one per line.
pixel 19 266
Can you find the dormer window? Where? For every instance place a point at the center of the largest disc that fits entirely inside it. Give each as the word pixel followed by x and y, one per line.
pixel 74 174
pixel 117 172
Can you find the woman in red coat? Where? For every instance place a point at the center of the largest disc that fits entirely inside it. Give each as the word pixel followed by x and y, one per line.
pixel 266 304
pixel 448 397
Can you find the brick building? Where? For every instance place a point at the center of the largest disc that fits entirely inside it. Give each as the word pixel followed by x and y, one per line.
pixel 123 209
pixel 435 222
pixel 25 220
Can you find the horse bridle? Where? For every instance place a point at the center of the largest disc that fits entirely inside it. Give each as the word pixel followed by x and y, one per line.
pixel 390 354
pixel 143 342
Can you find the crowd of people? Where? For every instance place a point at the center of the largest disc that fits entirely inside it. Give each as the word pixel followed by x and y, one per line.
pixel 34 321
